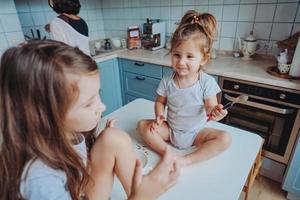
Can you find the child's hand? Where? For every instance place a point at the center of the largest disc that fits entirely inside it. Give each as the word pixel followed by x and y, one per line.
pixel 157 122
pixel 160 179
pixel 110 123
pixel 217 113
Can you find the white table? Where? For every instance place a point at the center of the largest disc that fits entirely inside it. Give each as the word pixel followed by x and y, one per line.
pixel 220 178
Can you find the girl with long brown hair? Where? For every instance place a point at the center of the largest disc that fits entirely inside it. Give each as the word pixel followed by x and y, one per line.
pixel 49 108
pixel 189 94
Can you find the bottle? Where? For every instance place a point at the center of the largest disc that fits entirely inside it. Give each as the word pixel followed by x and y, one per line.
pixel 107 44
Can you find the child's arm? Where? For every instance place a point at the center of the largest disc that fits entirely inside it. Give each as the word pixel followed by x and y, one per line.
pixel 159 108
pixel 160 104
pixel 214 110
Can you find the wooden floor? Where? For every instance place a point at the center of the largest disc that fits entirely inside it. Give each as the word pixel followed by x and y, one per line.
pixel 265 189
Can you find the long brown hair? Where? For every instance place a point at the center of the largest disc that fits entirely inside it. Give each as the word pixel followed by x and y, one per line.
pixel 199 26
pixel 34 98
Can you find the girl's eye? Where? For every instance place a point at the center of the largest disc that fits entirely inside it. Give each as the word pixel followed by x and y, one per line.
pixel 88 105
pixel 190 56
pixel 176 55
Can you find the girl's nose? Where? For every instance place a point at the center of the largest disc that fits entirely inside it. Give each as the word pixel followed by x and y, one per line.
pixel 181 61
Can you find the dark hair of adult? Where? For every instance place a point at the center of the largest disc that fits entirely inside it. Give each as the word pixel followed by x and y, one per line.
pixel 65 6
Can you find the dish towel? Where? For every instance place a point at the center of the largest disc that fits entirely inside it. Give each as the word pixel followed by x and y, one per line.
pixel 295 67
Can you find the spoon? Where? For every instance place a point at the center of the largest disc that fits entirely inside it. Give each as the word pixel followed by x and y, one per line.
pixel 239 99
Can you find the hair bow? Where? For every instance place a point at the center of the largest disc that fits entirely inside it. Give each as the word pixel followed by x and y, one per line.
pixel 196 20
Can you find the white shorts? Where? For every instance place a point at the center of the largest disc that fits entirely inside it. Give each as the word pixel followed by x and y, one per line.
pixel 183 140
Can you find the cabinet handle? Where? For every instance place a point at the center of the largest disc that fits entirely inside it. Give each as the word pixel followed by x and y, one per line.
pixel 140 78
pixel 139 64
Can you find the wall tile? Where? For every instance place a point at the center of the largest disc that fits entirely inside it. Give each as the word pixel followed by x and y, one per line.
pixel 247 13
pixel 35 5
pixel 176 13
pixel 286 12
pixel 265 12
pixel 262 30
pixel 214 2
pixel 22 6
pixel 296 28
pixel 298 15
pixel 247 1
pixel 1 26
pixel 8 6
pixel 165 12
pixel 10 22
pixel 228 29
pixel 187 8
pixel 26 19
pixel 227 44
pixel 39 18
pixel 217 11
pixel 231 1
pixel 201 8
pixel 3 42
pixel 267 1
pixel 244 29
pixel 281 31
pixel 201 2
pixel 14 38
pixel 230 12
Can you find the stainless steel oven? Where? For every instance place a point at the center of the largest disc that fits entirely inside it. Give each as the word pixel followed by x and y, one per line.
pixel 270 112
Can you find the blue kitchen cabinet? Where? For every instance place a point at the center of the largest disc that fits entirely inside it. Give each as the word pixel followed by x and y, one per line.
pixel 110 85
pixel 292 177
pixel 139 79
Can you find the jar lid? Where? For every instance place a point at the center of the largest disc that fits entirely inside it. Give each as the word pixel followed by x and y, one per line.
pixel 250 38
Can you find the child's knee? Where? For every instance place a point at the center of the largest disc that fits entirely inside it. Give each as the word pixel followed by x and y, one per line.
pixel 142 127
pixel 114 136
pixel 225 139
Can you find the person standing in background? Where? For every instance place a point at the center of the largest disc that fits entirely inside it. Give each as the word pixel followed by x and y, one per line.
pixel 68 27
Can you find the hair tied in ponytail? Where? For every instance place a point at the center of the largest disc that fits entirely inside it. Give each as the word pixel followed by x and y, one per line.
pixel 196 20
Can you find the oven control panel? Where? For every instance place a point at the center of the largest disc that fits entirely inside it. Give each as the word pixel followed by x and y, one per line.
pixel 263 92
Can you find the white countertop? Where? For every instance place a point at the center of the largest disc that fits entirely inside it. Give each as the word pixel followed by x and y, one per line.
pixel 219 178
pixel 226 66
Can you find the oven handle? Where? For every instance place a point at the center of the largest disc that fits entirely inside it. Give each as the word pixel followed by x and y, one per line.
pixel 261 106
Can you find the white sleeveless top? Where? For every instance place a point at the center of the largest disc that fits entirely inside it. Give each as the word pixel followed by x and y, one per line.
pixel 186 111
pixel 64 32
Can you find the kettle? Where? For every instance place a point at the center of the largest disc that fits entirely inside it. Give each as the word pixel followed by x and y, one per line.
pixel 248 46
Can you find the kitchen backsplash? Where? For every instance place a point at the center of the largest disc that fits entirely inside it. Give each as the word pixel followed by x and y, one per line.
pixel 10 28
pixel 271 20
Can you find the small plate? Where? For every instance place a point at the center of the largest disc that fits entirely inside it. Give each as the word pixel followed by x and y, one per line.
pixel 142 156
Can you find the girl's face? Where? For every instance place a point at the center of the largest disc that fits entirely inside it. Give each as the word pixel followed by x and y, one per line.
pixel 187 58
pixel 85 113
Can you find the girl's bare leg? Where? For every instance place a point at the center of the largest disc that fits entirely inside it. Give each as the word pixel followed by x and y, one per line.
pixel 156 140
pixel 210 142
pixel 111 154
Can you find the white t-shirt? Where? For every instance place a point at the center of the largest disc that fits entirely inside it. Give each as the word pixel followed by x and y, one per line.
pixel 39 181
pixel 186 110
pixel 64 32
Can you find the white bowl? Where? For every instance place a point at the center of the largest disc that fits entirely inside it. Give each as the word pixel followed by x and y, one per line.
pixel 143 157
pixel 284 68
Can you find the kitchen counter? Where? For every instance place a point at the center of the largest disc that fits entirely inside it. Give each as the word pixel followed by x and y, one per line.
pixel 224 65
pixel 222 177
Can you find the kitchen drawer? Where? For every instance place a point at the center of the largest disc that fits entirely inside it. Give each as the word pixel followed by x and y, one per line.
pixel 140 86
pixel 142 68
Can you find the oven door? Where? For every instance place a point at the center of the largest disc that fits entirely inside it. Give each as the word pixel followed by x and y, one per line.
pixel 271 121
